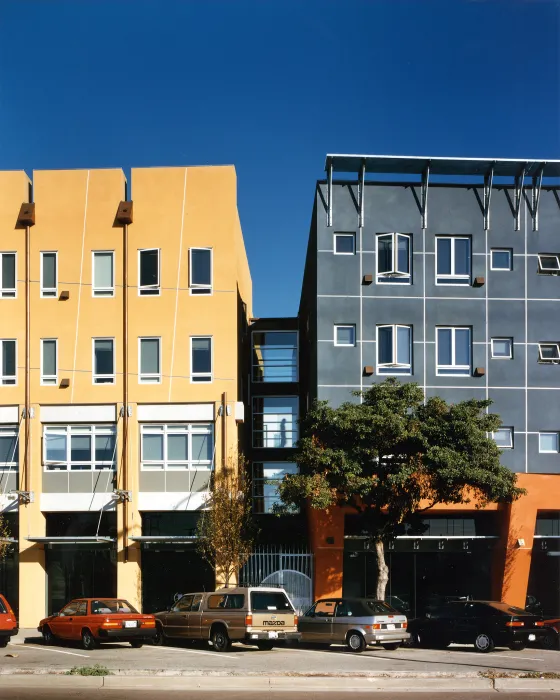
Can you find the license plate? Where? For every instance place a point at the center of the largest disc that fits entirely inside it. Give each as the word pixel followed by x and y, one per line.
pixel 131 623
pixel 390 627
pixel 273 635
pixel 532 637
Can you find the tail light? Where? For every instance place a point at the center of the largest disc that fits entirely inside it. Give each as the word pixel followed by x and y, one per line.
pixel 404 625
pixel 376 626
pixel 295 620
pixel 515 623
pixel 107 623
pixel 248 620
pixel 148 623
pixel 539 624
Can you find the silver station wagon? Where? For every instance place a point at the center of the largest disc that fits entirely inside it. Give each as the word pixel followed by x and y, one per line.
pixel 357 622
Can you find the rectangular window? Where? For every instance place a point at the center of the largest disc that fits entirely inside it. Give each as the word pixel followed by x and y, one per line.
pixel 453 351
pixel 502 348
pixel 9 448
pixel 103 273
pixel 177 447
pixel 453 260
pixel 345 335
pixel 275 421
pixel 504 438
pixel 79 447
pixel 549 443
pixel 49 353
pixel 394 349
pixel 8 354
pixel 201 359
pixel 549 263
pixel 7 275
pixel 200 270
pixel 266 479
pixel 501 259
pixel 49 275
pixel 344 243
pixel 393 258
pixel 104 361
pixel 149 360
pixel 549 353
pixel 149 272
pixel 275 356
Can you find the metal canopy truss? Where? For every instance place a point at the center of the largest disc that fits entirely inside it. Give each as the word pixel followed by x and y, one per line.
pixel 536 197
pixel 488 180
pixel 72 540
pixel 329 192
pixel 429 537
pixel 519 182
pixel 424 199
pixel 362 191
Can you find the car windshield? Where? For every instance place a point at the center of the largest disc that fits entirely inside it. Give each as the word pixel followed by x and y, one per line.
pixel 2 608
pixel 509 609
pixel 111 607
pixel 379 607
pixel 270 600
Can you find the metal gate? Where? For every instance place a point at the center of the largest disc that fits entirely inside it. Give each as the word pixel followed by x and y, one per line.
pixel 291 569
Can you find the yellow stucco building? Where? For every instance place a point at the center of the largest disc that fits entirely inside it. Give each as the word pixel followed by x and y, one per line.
pixel 122 322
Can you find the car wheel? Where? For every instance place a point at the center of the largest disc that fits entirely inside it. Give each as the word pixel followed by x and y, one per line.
pixel 159 639
pixel 483 643
pixel 517 646
pixel 135 644
pixel 3 642
pixel 265 646
pixel 392 646
pixel 88 640
pixel 48 636
pixel 550 641
pixel 356 642
pixel 220 639
pixel 420 639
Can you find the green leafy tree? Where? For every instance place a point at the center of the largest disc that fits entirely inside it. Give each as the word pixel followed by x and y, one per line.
pixel 393 456
pixel 5 544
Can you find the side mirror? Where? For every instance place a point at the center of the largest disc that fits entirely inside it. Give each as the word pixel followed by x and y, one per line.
pixel 56 614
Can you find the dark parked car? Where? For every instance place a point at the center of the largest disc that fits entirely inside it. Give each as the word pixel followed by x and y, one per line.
pixel 482 623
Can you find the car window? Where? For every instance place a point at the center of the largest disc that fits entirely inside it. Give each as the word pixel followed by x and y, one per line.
pixel 195 607
pixel 235 601
pixel 379 607
pixel 325 608
pixel 3 610
pixel 446 612
pixel 216 602
pixel 111 606
pixel 343 609
pixel 82 608
pixel 69 609
pixel 479 610
pixel 263 601
pixel 183 605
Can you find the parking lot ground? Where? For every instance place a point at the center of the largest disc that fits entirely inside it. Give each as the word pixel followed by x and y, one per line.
pixel 27 653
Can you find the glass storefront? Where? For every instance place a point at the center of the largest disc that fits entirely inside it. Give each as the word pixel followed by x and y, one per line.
pixel 9 565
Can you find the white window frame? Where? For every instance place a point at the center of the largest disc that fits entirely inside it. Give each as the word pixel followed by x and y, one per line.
pixel 345 325
pixel 387 368
pixel 102 292
pixel 262 480
pixel 166 429
pixel 152 378
pixel 509 251
pixel 501 357
pixel 510 432
pixel 6 379
pixel 461 370
pixel 202 377
pixel 550 452
pixel 201 289
pixel 294 432
pixel 549 360
pixel 91 431
pixel 343 234
pixel 549 270
pixel 149 290
pixel 11 431
pixel 49 379
pixel 444 279
pixel 394 274
pixel 112 377
pixel 49 292
pixel 8 292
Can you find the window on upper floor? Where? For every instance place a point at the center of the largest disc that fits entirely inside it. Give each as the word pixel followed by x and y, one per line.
pixel 393 258
pixel 344 243
pixel 79 447
pixel 49 275
pixel 275 356
pixel 453 351
pixel 345 336
pixel 266 480
pixel 549 353
pixel 549 443
pixel 104 371
pixel 103 273
pixel 149 272
pixel 275 421
pixel 8 275
pixel 49 363
pixel 200 270
pixel 503 437
pixel 8 364
pixel 201 359
pixel 501 259
pixel 149 360
pixel 178 446
pixel 549 263
pixel 453 260
pixel 502 348
pixel 394 349
pixel 9 447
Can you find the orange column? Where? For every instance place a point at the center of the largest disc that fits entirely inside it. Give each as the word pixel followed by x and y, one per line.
pixel 326 534
pixel 522 516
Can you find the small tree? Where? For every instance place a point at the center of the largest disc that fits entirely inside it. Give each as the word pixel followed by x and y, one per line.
pixel 4 535
pixel 393 456
pixel 225 535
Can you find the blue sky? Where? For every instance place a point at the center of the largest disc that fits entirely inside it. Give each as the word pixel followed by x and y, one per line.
pixel 272 86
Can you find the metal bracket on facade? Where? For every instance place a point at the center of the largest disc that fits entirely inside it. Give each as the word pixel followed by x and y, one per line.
pixel 128 411
pixel 24 413
pixel 424 192
pixel 25 496
pixel 519 183
pixel 122 495
pixel 362 191
pixel 329 192
pixel 536 196
pixel 488 180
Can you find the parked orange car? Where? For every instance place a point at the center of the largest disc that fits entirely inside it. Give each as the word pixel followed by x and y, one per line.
pixel 97 620
pixel 8 622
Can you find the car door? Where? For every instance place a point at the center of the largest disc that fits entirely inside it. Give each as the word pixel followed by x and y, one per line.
pixel 178 618
pixel 77 622
pixel 343 617
pixel 61 625
pixel 318 622
pixel 195 617
pixel 468 622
